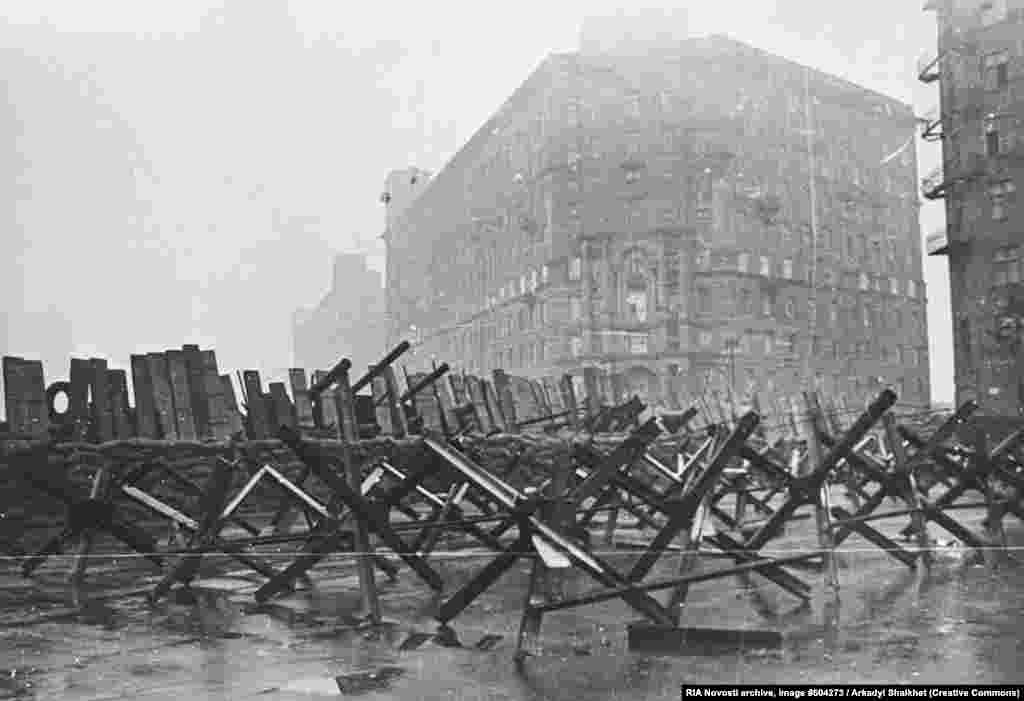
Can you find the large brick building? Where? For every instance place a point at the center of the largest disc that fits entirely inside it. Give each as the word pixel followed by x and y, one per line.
pixel 688 217
pixel 979 67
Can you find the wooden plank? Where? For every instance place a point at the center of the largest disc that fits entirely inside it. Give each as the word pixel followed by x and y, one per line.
pixel 102 414
pixel 300 395
pixel 325 404
pixel 117 391
pixel 78 398
pixel 426 404
pixel 271 412
pixel 591 390
pixel 379 387
pixel 14 395
pixel 145 405
pixel 234 416
pixel 283 410
pixel 523 397
pixel 349 433
pixel 399 427
pixel 476 396
pixel 163 397
pixel 494 411
pixel 446 396
pixel 567 391
pixel 554 396
pixel 25 396
pixel 541 398
pixel 198 400
pixel 35 387
pixel 220 422
pixel 458 385
pixel 257 425
pixel 505 400
pixel 177 372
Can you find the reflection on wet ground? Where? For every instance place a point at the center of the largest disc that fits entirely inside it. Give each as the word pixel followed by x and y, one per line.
pixel 959 623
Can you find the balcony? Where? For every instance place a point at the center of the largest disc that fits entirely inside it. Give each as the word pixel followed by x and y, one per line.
pixel 931 125
pixel 934 185
pixel 929 67
pixel 937 244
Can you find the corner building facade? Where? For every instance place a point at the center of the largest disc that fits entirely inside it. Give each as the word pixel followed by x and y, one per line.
pixel 700 218
pixel 979 69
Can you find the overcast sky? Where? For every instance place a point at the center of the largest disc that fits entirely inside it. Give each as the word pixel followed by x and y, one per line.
pixel 184 180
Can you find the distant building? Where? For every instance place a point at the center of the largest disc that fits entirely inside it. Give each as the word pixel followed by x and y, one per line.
pixel 979 67
pixel 687 217
pixel 348 322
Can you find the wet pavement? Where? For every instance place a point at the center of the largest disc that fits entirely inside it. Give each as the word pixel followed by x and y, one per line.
pixel 960 623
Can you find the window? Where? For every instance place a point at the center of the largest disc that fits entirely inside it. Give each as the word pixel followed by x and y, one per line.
pixel 866 313
pixel 769 343
pixel 999 192
pixel 767 306
pixel 636 302
pixel 766 266
pixel 991 140
pixel 575 268
pixel 633 105
pixel 1006 266
pixel 544 272
pixel 576 346
pixel 894 286
pixel 787 268
pixel 865 282
pixel 702 260
pixel 911 289
pixel 997 74
pixel 790 308
pixel 705 339
pixel 638 344
pixel 743 262
pixel 703 300
pixel 746 302
pixel 575 308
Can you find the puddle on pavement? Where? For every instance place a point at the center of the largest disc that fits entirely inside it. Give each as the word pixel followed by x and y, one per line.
pixel 958 624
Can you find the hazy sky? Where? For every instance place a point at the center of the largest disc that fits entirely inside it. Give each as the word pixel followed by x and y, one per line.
pixel 197 176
